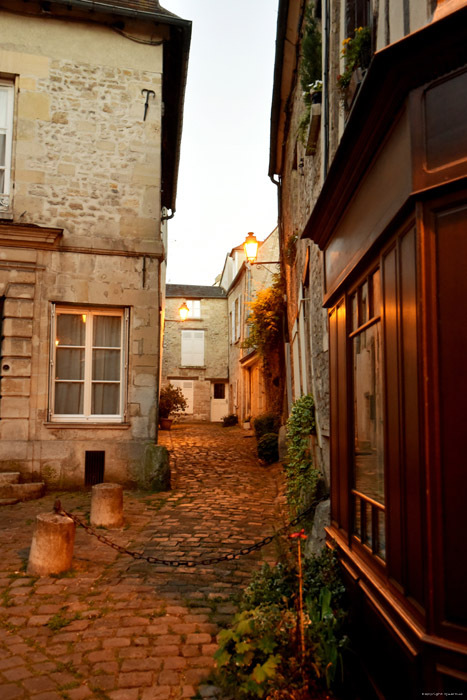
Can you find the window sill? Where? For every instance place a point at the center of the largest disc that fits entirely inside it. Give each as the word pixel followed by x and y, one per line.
pixel 86 425
pixel 192 366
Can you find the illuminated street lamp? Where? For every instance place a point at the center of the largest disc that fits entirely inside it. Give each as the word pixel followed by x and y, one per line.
pixel 251 247
pixel 184 311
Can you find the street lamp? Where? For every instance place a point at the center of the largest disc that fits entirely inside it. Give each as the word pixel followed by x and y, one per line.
pixel 184 311
pixel 251 246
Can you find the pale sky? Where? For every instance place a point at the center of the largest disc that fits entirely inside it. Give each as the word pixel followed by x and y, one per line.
pixel 223 187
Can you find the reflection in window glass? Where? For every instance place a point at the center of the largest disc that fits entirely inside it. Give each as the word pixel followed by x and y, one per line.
pixel 376 290
pixel 364 314
pixel 368 414
pixel 354 306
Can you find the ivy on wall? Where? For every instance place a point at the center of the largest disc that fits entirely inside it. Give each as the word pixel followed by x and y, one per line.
pixel 265 324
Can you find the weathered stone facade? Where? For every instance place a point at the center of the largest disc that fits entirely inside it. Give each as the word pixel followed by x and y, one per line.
pixel 82 229
pixel 242 282
pixel 198 380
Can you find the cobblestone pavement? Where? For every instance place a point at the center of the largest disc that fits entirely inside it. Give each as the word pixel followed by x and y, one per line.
pixel 122 629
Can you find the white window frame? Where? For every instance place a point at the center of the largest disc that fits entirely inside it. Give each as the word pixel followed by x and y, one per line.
pixel 7 86
pixel 194 308
pixel 87 416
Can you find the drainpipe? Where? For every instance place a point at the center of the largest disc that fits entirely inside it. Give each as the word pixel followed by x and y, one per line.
pixel 327 31
pixel 285 327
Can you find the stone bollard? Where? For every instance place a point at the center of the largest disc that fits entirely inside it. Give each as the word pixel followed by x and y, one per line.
pixel 52 545
pixel 107 505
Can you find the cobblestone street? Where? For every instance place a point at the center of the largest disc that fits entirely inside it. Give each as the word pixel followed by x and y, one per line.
pixel 123 629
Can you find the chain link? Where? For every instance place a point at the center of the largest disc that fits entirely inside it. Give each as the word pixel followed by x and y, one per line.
pixel 244 551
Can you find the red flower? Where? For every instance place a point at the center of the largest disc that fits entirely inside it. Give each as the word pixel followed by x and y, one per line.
pixel 298 535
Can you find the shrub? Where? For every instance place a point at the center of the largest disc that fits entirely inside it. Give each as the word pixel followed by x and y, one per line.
pixel 266 423
pixel 268 448
pixel 171 400
pixel 229 420
pixel 258 655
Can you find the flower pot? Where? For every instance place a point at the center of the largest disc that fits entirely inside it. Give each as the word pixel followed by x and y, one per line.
pixel 166 423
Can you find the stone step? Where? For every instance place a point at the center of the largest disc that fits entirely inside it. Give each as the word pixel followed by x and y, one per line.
pixel 9 478
pixel 8 501
pixel 23 492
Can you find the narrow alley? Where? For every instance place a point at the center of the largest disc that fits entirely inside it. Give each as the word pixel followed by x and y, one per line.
pixel 124 629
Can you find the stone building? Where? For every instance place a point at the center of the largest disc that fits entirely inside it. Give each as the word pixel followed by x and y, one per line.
pixel 372 178
pixel 91 100
pixel 242 281
pixel 195 356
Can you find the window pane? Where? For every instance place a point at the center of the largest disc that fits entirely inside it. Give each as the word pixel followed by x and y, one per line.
pixel 2 149
pixel 219 391
pixel 107 331
pixel 71 329
pixel 363 304
pixel 368 414
pixel 381 529
pixel 105 399
pixel 376 293
pixel 3 108
pixel 354 304
pixel 69 398
pixel 106 365
pixel 69 364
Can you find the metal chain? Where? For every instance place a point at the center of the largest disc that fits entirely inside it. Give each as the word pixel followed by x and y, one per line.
pixel 190 562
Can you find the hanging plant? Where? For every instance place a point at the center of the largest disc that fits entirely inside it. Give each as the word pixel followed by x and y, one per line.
pixel 356 51
pixel 310 67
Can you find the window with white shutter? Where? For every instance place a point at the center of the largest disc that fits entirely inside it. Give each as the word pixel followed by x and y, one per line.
pixel 192 349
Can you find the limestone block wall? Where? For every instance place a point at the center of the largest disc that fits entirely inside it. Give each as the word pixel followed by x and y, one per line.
pixel 29 442
pixel 83 158
pixel 214 323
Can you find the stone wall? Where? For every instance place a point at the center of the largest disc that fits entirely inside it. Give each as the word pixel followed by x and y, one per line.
pixel 87 165
pixel 214 323
pixel 84 159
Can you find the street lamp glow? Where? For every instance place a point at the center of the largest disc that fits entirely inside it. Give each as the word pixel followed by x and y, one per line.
pixel 251 247
pixel 184 311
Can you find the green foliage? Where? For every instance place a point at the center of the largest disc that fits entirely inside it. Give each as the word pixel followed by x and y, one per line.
pixel 259 654
pixel 356 51
pixel 266 423
pixel 310 66
pixel 171 400
pixel 265 319
pixel 268 448
pixel 229 420
pixel 326 637
pixel 272 585
pixel 302 478
pixel 248 656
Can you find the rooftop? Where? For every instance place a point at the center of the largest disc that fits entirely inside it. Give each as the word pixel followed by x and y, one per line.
pixel 136 8
pixel 193 291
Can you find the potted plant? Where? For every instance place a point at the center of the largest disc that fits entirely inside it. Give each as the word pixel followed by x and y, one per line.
pixel 171 401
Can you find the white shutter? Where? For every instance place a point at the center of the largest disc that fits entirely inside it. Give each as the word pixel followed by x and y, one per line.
pixel 192 348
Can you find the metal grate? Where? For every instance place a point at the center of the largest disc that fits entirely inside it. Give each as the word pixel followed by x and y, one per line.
pixel 94 467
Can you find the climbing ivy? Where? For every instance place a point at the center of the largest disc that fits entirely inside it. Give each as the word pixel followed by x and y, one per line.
pixel 265 319
pixel 265 335
pixel 302 477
